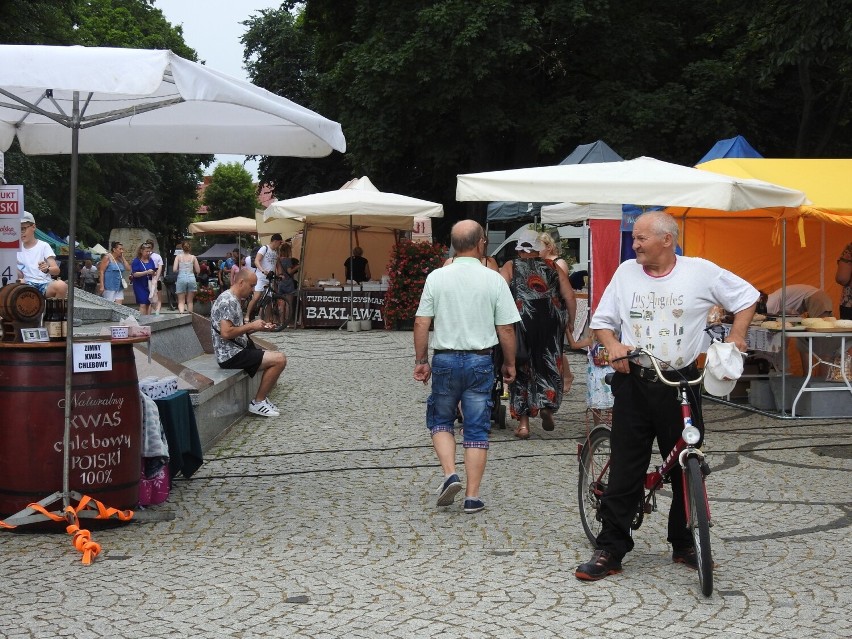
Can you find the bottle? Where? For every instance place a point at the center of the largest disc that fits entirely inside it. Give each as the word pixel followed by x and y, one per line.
pixel 51 320
pixel 63 318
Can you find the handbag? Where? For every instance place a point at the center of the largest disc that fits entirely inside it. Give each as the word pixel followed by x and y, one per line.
pixel 522 351
pixel 123 280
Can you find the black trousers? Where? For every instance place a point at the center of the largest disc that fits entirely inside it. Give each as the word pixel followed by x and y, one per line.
pixel 641 412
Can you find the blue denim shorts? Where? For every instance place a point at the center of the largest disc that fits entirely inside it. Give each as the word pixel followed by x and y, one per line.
pixel 185 285
pixel 41 286
pixel 466 379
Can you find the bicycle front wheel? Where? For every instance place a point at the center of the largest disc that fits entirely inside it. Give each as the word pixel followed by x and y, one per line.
pixel 592 480
pixel 699 523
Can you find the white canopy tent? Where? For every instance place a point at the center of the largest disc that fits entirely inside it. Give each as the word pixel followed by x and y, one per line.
pixel 356 214
pixel 71 100
pixel 357 209
pixel 643 181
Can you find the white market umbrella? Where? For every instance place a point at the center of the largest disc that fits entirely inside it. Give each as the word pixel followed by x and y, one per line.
pixel 71 100
pixel 228 226
pixel 643 181
pixel 238 226
pixel 358 199
pixel 358 203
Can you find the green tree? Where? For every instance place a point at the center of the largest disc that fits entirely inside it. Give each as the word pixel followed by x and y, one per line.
pixel 427 89
pixel 107 179
pixel 230 193
pixel 279 56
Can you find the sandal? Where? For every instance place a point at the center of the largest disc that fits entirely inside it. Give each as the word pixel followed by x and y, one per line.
pixel 522 432
pixel 547 422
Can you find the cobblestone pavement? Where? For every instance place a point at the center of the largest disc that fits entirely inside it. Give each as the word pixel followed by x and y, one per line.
pixel 323 523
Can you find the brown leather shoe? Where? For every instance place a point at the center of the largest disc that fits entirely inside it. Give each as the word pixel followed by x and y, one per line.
pixel 686 556
pixel 602 564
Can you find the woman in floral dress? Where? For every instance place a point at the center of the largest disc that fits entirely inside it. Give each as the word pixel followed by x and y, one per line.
pixel 546 303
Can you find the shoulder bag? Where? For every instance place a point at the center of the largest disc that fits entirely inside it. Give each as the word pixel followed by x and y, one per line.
pixel 120 272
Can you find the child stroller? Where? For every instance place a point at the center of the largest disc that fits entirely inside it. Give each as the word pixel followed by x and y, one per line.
pixel 498 408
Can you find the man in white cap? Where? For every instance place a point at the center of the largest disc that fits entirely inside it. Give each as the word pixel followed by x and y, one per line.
pixel 659 302
pixel 37 261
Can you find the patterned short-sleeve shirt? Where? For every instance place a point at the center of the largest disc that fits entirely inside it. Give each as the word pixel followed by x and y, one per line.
pixel 226 307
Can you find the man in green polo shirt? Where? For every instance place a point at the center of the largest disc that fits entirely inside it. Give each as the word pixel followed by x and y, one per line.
pixel 473 309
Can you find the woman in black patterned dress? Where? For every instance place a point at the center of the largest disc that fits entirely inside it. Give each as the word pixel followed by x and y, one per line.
pixel 546 303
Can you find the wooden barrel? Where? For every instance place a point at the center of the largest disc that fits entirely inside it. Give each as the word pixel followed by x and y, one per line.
pixel 106 427
pixel 21 303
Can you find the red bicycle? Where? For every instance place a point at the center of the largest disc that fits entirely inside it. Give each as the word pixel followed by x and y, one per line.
pixel 594 459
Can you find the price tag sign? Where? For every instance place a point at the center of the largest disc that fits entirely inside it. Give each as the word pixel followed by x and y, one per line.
pixel 92 357
pixel 35 335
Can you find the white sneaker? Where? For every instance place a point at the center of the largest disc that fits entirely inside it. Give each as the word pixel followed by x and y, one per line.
pixel 274 406
pixel 264 408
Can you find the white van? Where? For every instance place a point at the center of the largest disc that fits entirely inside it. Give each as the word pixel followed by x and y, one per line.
pixel 574 238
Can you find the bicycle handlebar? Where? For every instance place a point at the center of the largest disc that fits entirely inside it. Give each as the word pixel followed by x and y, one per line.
pixel 639 352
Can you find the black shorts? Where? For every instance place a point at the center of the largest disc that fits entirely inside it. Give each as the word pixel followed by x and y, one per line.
pixel 248 359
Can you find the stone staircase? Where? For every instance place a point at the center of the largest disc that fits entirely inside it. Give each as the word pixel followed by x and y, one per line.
pixel 181 346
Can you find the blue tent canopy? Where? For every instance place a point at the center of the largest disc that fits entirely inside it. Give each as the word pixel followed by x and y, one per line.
pixel 736 147
pixel 505 211
pixel 594 153
pixel 55 243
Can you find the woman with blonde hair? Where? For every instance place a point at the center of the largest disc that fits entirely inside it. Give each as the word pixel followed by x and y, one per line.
pixel 186 266
pixel 143 269
pixel 550 251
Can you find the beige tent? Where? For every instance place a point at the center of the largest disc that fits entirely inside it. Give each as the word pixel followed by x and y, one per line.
pixel 357 214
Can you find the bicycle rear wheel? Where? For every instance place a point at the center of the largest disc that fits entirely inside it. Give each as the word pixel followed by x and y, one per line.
pixel 271 313
pixel 592 481
pixel 699 523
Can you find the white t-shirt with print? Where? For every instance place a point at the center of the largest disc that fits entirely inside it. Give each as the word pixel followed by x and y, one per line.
pixel 667 315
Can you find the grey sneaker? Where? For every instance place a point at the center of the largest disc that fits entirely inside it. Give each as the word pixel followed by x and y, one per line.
pixel 448 490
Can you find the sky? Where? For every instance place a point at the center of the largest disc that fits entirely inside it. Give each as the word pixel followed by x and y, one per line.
pixel 213 29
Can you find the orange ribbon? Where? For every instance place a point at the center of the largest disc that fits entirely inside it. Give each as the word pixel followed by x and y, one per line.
pixel 82 538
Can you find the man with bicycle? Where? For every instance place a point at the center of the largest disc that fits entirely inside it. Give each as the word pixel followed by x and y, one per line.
pixel 658 302
pixel 266 261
